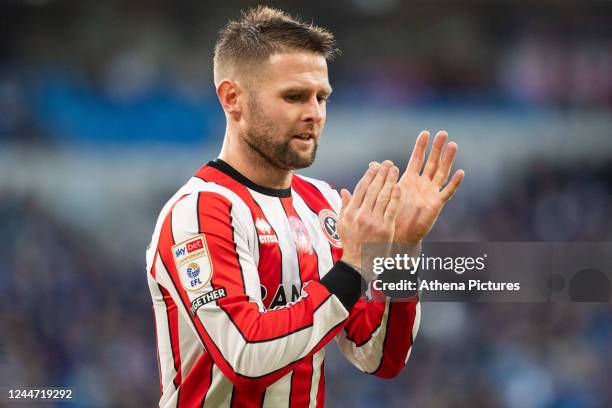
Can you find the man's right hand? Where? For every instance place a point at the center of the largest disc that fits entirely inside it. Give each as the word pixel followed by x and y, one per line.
pixel 369 214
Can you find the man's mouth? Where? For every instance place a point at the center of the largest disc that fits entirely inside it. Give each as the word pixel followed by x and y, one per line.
pixel 304 136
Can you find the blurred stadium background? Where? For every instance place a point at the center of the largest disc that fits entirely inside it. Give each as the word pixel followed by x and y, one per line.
pixel 107 107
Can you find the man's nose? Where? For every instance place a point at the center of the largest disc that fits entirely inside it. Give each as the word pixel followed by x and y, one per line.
pixel 313 111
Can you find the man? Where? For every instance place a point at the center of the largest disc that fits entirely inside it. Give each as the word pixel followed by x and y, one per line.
pixel 253 269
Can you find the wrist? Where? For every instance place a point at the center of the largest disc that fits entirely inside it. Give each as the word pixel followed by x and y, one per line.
pixel 367 276
pixel 404 241
pixel 353 263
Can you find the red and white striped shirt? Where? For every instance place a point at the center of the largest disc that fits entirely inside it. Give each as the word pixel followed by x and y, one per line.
pixel 247 289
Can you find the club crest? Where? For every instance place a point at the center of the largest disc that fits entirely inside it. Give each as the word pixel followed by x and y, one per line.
pixel 329 224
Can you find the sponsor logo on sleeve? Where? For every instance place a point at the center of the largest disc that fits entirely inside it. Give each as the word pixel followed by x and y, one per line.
pixel 193 262
pixel 206 298
pixel 195 245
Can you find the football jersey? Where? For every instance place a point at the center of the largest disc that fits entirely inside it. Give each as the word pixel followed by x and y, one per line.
pixel 248 287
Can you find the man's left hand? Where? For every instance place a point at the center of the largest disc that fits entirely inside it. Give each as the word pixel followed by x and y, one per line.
pixel 424 193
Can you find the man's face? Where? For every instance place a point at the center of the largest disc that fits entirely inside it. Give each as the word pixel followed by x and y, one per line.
pixel 286 109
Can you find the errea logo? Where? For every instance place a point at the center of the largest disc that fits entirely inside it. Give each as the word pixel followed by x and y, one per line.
pixel 265 233
pixel 262 226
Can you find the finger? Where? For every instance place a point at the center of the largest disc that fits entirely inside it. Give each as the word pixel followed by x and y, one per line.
pixel 433 161
pixel 445 164
pixel 363 185
pixel 451 188
pixel 392 210
pixel 375 187
pixel 418 153
pixel 346 199
pixel 385 193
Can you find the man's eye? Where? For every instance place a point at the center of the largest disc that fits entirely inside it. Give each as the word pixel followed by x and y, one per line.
pixel 323 99
pixel 293 98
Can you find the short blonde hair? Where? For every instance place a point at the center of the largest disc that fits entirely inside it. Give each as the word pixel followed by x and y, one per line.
pixel 264 31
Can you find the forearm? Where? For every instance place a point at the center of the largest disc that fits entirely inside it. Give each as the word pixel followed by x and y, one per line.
pixel 255 348
pixel 378 336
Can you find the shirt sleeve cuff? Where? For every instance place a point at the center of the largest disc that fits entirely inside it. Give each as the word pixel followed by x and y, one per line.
pixel 345 283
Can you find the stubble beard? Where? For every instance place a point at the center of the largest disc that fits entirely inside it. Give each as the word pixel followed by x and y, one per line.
pixel 274 151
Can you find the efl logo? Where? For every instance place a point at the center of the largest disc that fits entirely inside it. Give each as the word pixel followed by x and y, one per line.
pixel 194 245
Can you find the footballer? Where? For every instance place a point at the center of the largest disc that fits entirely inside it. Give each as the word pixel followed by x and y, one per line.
pixel 254 269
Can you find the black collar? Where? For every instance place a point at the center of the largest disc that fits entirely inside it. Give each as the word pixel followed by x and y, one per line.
pixel 236 175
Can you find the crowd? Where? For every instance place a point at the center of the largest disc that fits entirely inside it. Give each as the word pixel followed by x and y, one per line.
pixel 73 72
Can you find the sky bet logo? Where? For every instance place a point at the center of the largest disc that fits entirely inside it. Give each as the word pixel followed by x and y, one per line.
pixel 194 245
pixel 188 248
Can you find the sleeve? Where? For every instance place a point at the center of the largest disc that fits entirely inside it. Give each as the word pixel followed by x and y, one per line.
pixel 378 336
pixel 204 250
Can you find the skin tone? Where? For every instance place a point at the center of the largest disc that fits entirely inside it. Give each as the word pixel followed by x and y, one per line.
pixel 424 194
pixel 275 116
pixel 370 214
pixel 274 126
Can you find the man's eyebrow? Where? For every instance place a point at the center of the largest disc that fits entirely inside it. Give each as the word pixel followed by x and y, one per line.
pixel 297 89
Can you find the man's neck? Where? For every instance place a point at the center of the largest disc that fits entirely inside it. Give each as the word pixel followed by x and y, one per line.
pixel 252 166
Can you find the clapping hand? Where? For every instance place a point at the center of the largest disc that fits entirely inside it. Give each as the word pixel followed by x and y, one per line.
pixel 424 193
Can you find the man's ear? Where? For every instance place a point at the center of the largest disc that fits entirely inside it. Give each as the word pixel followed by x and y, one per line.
pixel 229 93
